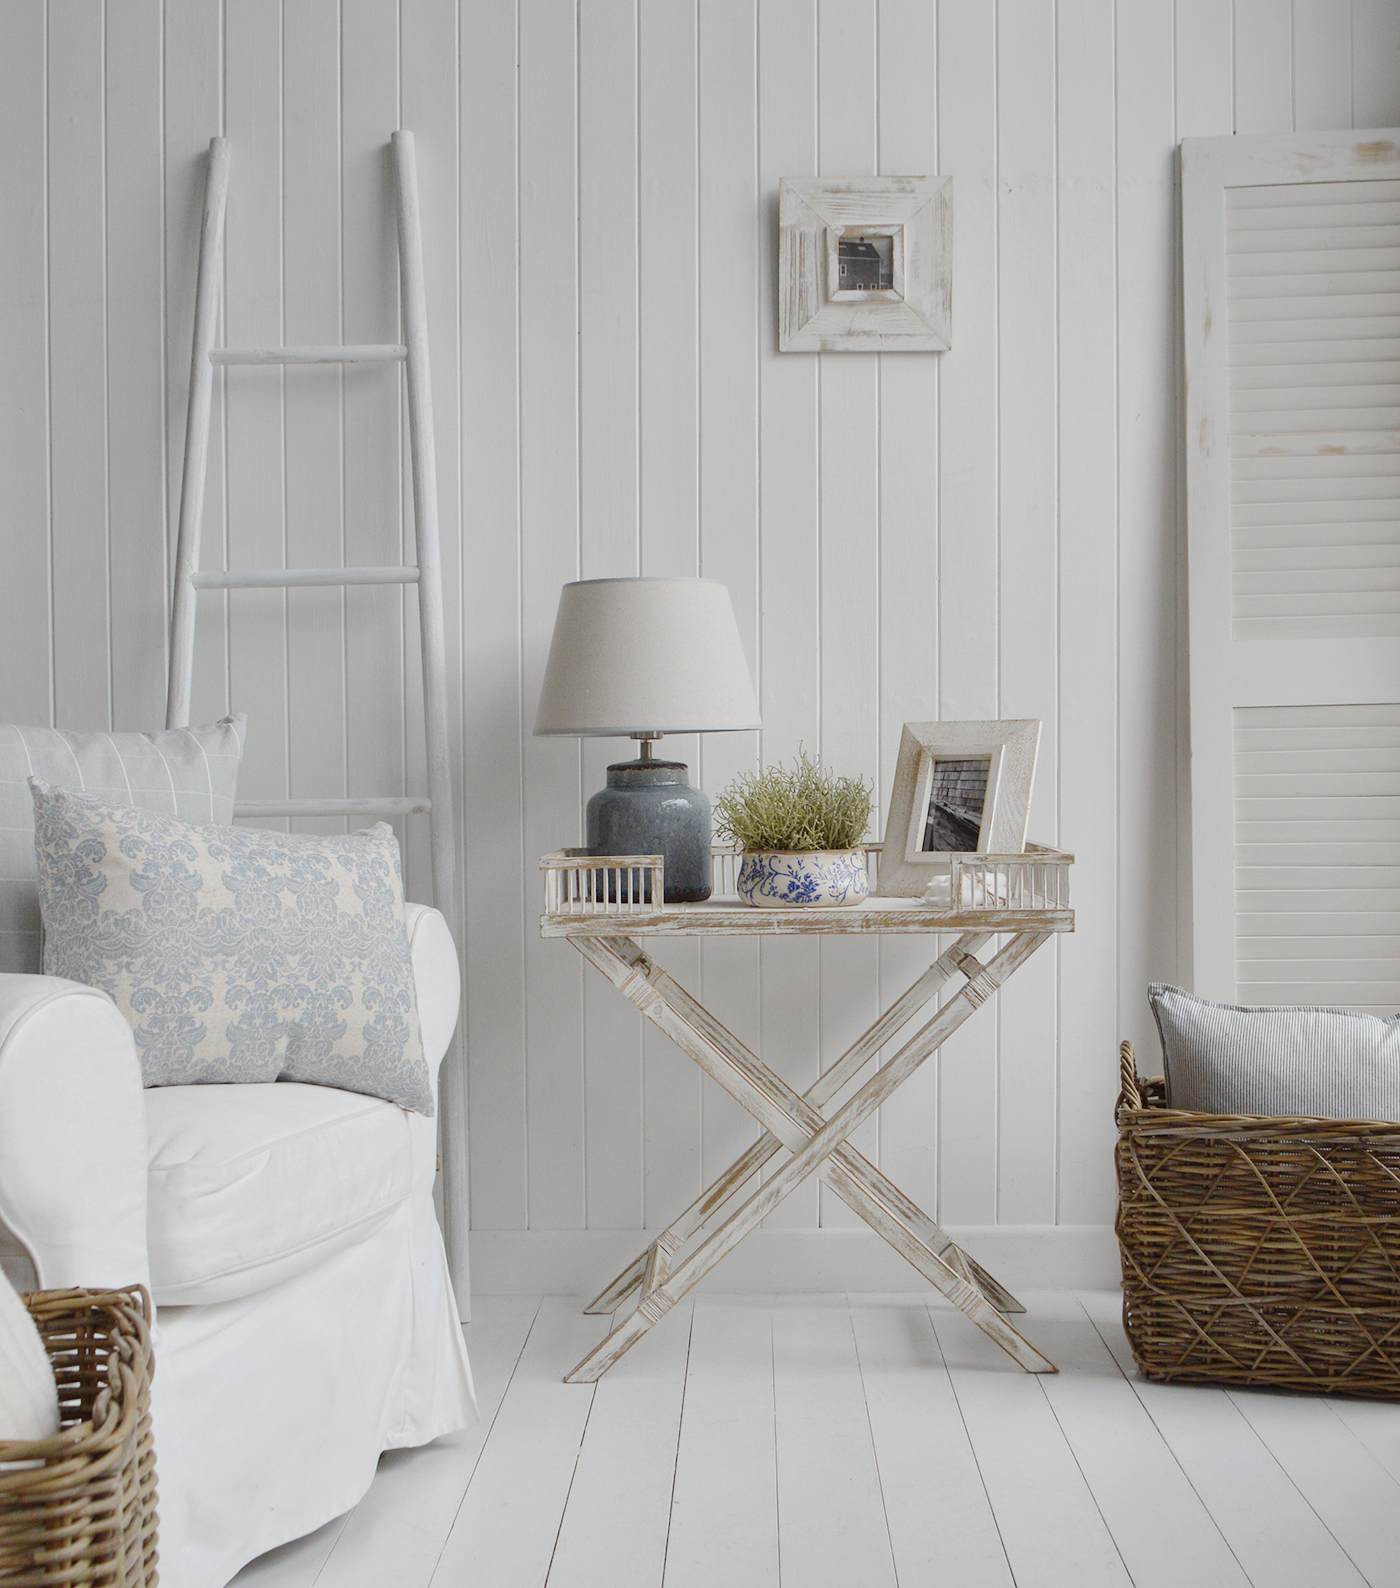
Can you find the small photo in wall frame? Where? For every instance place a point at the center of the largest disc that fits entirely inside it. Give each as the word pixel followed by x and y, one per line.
pixel 959 788
pixel 865 264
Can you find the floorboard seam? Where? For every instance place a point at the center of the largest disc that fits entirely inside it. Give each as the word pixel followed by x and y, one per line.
pixel 491 1428
pixel 1360 1439
pixel 1147 1412
pixel 1084 1477
pixel 680 1427
pixel 777 1485
pixel 578 1456
pixel 874 1448
pixel 1322 1520
pixel 967 1434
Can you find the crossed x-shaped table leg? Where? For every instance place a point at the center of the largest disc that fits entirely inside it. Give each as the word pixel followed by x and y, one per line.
pixel 818 1145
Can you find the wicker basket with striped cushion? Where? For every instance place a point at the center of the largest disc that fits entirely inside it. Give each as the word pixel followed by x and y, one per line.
pixel 1261 1251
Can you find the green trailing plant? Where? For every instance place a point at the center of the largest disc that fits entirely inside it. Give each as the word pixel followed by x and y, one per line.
pixel 802 809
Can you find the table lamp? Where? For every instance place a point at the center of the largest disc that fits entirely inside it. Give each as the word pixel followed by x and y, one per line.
pixel 645 657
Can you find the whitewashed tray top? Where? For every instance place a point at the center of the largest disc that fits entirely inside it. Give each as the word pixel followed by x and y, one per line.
pixel 730 917
pixel 588 896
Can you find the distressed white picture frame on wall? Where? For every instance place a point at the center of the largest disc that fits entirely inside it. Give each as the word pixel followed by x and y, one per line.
pixel 1009 749
pixel 903 303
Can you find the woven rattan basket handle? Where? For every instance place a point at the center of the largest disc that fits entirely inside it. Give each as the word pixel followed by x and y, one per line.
pixel 1130 1094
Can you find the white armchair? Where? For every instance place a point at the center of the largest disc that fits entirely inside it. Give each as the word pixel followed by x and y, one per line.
pixel 305 1320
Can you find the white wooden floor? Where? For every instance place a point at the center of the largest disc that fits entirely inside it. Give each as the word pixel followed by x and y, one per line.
pixel 863 1442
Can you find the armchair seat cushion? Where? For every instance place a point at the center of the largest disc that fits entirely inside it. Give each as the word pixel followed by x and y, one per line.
pixel 252 1184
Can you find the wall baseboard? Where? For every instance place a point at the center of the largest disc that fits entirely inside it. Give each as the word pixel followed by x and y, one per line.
pixel 575 1262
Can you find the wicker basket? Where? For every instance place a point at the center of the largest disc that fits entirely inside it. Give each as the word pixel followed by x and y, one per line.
pixel 1259 1251
pixel 82 1507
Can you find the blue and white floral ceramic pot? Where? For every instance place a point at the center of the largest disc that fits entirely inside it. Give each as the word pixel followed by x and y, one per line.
pixel 780 877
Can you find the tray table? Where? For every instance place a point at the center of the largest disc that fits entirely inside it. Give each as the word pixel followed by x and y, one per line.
pixel 603 906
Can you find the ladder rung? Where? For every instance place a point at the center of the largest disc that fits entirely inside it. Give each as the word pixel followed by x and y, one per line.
pixel 411 805
pixel 365 353
pixel 286 578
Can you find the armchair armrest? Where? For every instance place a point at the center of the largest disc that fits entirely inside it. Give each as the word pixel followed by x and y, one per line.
pixel 72 1134
pixel 437 983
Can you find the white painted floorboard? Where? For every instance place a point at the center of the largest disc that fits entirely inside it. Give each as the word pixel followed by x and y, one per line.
pixel 1274 1533
pixel 865 1441
pixel 832 1531
pixel 724 1510
pixel 940 1519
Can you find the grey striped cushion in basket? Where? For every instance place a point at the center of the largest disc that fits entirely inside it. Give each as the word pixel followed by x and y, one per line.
pixel 190 773
pixel 1320 1063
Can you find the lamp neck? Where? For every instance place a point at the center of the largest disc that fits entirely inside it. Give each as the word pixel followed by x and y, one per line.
pixel 646 769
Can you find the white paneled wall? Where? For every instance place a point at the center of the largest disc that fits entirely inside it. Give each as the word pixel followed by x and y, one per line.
pixel 990 532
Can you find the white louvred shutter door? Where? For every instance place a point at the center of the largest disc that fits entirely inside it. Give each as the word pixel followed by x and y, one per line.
pixel 1291 306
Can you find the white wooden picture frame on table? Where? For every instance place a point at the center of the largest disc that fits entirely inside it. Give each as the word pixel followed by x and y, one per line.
pixel 865 264
pixel 959 788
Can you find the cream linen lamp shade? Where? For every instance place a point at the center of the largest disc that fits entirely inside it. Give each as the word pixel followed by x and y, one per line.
pixel 646 656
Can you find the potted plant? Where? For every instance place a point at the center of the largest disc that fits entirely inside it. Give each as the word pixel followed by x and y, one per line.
pixel 801 833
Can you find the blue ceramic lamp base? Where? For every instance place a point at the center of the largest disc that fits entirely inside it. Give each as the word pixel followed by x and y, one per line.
pixel 650 808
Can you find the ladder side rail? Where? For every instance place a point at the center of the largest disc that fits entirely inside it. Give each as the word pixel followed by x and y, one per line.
pixel 452 1129
pixel 206 309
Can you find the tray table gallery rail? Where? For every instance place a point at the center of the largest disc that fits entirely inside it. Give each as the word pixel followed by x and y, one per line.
pixel 602 907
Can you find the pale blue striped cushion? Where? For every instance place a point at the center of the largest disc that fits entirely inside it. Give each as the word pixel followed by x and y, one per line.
pixel 190 773
pixel 1321 1063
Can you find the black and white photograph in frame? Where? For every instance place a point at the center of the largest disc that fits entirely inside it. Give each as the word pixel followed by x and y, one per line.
pixel 957 795
pixel 959 788
pixel 865 263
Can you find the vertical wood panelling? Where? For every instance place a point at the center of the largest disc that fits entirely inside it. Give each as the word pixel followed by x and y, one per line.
pixel 79 541
pixel 1147 533
pixel 668 377
pixel 1321 66
pixel 372 401
pixel 1088 558
pixel 789 509
pixel 1205 92
pixel 907 77
pixel 729 252
pixel 313 314
pixel 194 113
pixel 428 106
pixel 1263 66
pixel 255 481
pixel 1375 63
pixel 608 530
pixel 992 531
pixel 1027 414
pixel 550 554
pixel 967 574
pixel 25 595
pixel 501 881
pixel 135 373
pixel 849 563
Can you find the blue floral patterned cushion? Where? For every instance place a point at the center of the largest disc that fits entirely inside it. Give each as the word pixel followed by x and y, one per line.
pixel 235 954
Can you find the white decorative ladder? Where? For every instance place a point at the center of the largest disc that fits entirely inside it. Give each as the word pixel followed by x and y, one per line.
pixel 426 574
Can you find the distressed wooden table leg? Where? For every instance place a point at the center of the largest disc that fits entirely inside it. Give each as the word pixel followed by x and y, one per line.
pixel 790 1120
pixel 892 1202
pixel 822 1090
pixel 698 1034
